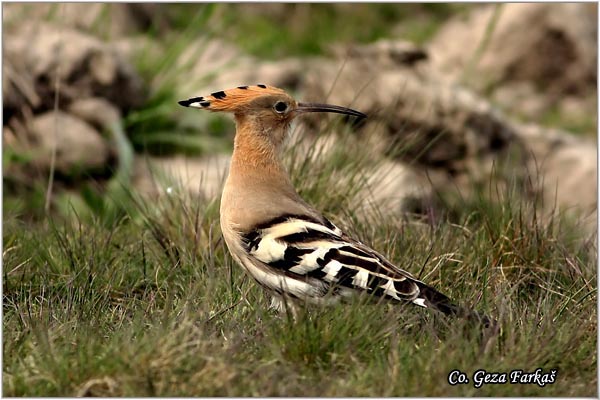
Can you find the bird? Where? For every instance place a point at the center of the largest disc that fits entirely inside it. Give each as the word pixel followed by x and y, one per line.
pixel 288 247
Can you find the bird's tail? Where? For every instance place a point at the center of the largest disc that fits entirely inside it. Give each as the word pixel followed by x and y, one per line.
pixel 439 301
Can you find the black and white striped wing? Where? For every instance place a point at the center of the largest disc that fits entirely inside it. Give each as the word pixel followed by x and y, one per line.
pixel 306 249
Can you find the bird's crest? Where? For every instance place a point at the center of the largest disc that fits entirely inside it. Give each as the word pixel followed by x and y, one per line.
pixel 231 99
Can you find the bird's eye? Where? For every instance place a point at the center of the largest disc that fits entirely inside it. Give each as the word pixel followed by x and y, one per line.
pixel 280 107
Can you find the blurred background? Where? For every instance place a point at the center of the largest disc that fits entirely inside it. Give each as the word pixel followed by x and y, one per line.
pixel 458 96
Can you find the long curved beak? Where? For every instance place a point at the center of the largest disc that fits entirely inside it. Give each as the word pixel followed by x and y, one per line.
pixel 316 107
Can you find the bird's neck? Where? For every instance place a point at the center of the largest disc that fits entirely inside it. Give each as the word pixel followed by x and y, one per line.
pixel 257 155
pixel 258 187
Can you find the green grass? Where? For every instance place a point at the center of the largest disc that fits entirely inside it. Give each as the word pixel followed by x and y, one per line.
pixel 283 30
pixel 153 305
pixel 585 125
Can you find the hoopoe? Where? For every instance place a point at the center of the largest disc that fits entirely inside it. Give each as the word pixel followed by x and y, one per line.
pixel 285 244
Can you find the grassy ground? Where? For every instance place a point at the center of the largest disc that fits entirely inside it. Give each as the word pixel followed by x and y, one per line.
pixel 139 297
pixel 152 304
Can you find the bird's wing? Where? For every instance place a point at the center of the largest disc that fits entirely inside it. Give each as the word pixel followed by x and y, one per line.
pixel 306 248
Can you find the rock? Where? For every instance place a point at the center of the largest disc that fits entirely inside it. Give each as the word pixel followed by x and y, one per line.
pixel 564 169
pixel 8 137
pixel 159 176
pixel 94 83
pixel 551 50
pixel 391 189
pixel 96 111
pixel 551 46
pixel 432 123
pixel 449 134
pixel 79 147
pixel 18 88
pixel 79 65
pixel 387 53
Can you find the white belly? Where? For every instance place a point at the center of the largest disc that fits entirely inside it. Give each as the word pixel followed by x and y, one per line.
pixel 268 277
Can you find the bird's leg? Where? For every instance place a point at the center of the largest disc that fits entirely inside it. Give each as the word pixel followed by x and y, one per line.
pixel 284 306
pixel 277 304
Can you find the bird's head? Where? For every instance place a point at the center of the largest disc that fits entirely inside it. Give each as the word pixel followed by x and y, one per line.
pixel 269 105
